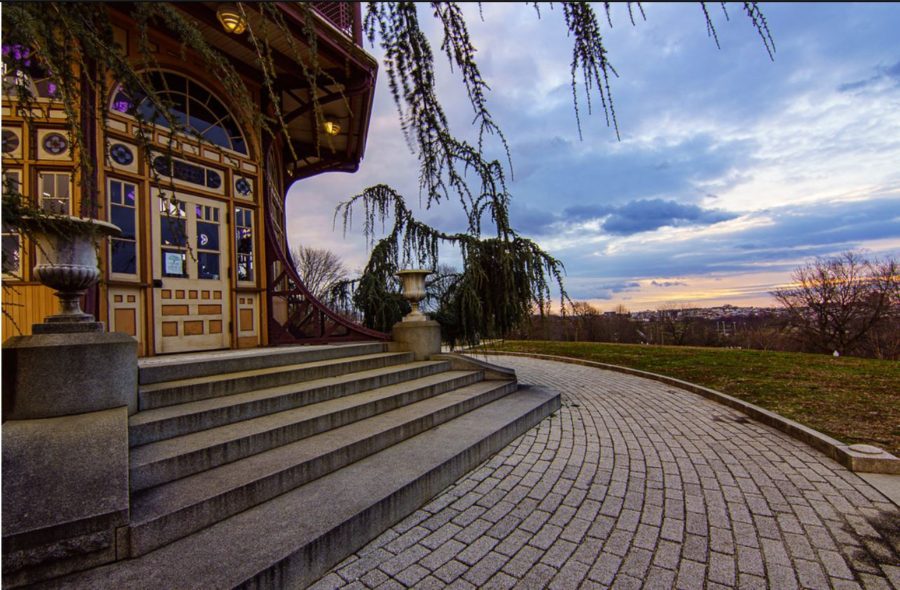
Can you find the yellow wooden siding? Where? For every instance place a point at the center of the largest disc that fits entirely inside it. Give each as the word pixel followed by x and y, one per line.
pixel 24 305
pixel 28 303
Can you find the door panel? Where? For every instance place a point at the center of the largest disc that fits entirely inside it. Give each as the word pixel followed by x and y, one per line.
pixel 190 272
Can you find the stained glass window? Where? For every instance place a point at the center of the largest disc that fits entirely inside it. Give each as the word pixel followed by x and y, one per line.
pixel 21 70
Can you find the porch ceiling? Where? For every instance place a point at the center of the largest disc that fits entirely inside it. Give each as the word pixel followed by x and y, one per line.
pixel 344 87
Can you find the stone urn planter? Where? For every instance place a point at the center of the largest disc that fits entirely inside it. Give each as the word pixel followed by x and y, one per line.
pixel 412 284
pixel 416 333
pixel 66 250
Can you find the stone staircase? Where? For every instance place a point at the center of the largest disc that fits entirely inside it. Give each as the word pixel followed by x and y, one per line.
pixel 264 468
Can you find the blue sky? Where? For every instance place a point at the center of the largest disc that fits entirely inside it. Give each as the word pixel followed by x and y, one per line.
pixel 731 170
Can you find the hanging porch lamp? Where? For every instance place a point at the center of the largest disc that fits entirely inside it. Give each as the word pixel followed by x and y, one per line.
pixel 331 127
pixel 231 18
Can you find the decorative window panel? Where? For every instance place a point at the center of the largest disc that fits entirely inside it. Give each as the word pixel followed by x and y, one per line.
pixel 208 246
pixel 12 143
pixel 125 314
pixel 188 173
pixel 244 187
pixel 117 125
pixel 53 144
pixel 122 156
pixel 247 320
pixel 173 237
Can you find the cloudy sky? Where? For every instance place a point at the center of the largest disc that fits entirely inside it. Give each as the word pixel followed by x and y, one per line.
pixel 731 169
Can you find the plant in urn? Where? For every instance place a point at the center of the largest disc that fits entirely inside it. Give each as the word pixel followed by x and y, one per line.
pixel 412 283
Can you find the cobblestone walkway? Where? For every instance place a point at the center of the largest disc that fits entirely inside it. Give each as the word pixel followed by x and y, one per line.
pixel 633 484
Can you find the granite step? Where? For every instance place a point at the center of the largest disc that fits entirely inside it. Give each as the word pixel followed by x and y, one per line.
pixel 202 364
pixel 181 391
pixel 170 421
pixel 163 461
pixel 290 540
pixel 163 514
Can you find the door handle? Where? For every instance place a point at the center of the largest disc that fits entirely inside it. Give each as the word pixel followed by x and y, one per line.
pixel 157 283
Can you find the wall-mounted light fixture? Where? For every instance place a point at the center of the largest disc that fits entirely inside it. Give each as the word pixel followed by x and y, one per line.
pixel 331 127
pixel 231 18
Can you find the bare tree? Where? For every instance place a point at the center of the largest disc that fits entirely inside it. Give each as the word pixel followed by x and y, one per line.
pixel 671 324
pixel 834 303
pixel 439 287
pixel 320 270
pixel 584 320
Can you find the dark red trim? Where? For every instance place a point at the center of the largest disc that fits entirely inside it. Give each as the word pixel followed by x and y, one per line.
pixel 90 192
pixel 357 23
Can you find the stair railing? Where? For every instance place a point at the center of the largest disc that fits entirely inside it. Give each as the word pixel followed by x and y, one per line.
pixel 295 315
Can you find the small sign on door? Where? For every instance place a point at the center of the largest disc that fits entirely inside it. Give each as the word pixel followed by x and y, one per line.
pixel 174 263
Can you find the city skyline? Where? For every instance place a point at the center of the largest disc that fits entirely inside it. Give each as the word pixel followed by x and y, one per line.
pixel 731 170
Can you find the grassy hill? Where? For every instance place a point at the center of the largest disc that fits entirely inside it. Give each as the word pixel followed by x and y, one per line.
pixel 851 399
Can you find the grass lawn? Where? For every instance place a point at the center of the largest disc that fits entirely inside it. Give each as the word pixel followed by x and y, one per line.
pixel 851 399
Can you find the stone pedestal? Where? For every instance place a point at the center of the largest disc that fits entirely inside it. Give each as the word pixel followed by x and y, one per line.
pixel 58 374
pixel 422 338
pixel 65 491
pixel 67 393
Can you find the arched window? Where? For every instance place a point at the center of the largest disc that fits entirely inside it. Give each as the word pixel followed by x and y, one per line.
pixel 193 106
pixel 22 70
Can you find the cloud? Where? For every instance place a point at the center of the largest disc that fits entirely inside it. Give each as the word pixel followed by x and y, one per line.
pixel 586 288
pixel 634 217
pixel 587 212
pixel 775 239
pixel 890 73
pixel 532 221
pixel 645 215
pixel 850 86
pixel 650 214
pixel 668 283
pixel 893 71
pixel 591 178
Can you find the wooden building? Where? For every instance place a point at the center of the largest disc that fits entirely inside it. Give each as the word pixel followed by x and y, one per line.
pixel 209 268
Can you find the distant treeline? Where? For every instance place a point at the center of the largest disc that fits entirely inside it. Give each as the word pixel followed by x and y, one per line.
pixel 847 304
pixel 763 331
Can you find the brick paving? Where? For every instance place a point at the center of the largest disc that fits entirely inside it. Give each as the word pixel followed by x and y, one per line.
pixel 636 484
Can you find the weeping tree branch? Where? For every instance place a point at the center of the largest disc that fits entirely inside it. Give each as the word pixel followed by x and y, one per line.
pixel 409 63
pixel 589 57
pixel 460 51
pixel 504 278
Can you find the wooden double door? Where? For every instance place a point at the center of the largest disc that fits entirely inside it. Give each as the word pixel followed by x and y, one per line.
pixel 191 284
